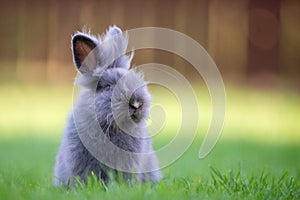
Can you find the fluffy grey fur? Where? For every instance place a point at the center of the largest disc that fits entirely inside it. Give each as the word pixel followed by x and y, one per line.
pixel 119 102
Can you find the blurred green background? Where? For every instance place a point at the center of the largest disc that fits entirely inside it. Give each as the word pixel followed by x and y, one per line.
pixel 255 44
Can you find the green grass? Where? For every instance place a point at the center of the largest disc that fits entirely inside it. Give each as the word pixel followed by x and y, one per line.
pixel 257 157
pixel 233 170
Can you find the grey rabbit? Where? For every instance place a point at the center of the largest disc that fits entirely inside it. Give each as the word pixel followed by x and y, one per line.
pixel 106 131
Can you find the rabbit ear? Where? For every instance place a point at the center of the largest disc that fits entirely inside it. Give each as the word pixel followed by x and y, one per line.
pixel 113 30
pixel 113 49
pixel 84 52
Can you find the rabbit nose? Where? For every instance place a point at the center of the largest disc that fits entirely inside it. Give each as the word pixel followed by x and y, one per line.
pixel 135 104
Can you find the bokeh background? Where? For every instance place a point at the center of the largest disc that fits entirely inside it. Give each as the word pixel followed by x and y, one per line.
pixel 254 43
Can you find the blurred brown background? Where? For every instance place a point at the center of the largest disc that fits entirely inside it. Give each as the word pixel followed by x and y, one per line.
pixel 251 41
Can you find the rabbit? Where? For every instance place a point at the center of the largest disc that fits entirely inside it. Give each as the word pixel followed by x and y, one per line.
pixel 111 111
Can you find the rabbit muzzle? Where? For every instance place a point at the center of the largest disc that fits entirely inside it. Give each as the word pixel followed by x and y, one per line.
pixel 135 109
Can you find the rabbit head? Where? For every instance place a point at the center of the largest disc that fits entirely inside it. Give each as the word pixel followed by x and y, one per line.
pixel 121 98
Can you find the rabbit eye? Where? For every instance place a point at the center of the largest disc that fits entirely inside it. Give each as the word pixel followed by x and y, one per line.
pixel 107 87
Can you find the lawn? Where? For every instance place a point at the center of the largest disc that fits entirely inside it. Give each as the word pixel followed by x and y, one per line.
pixel 257 156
